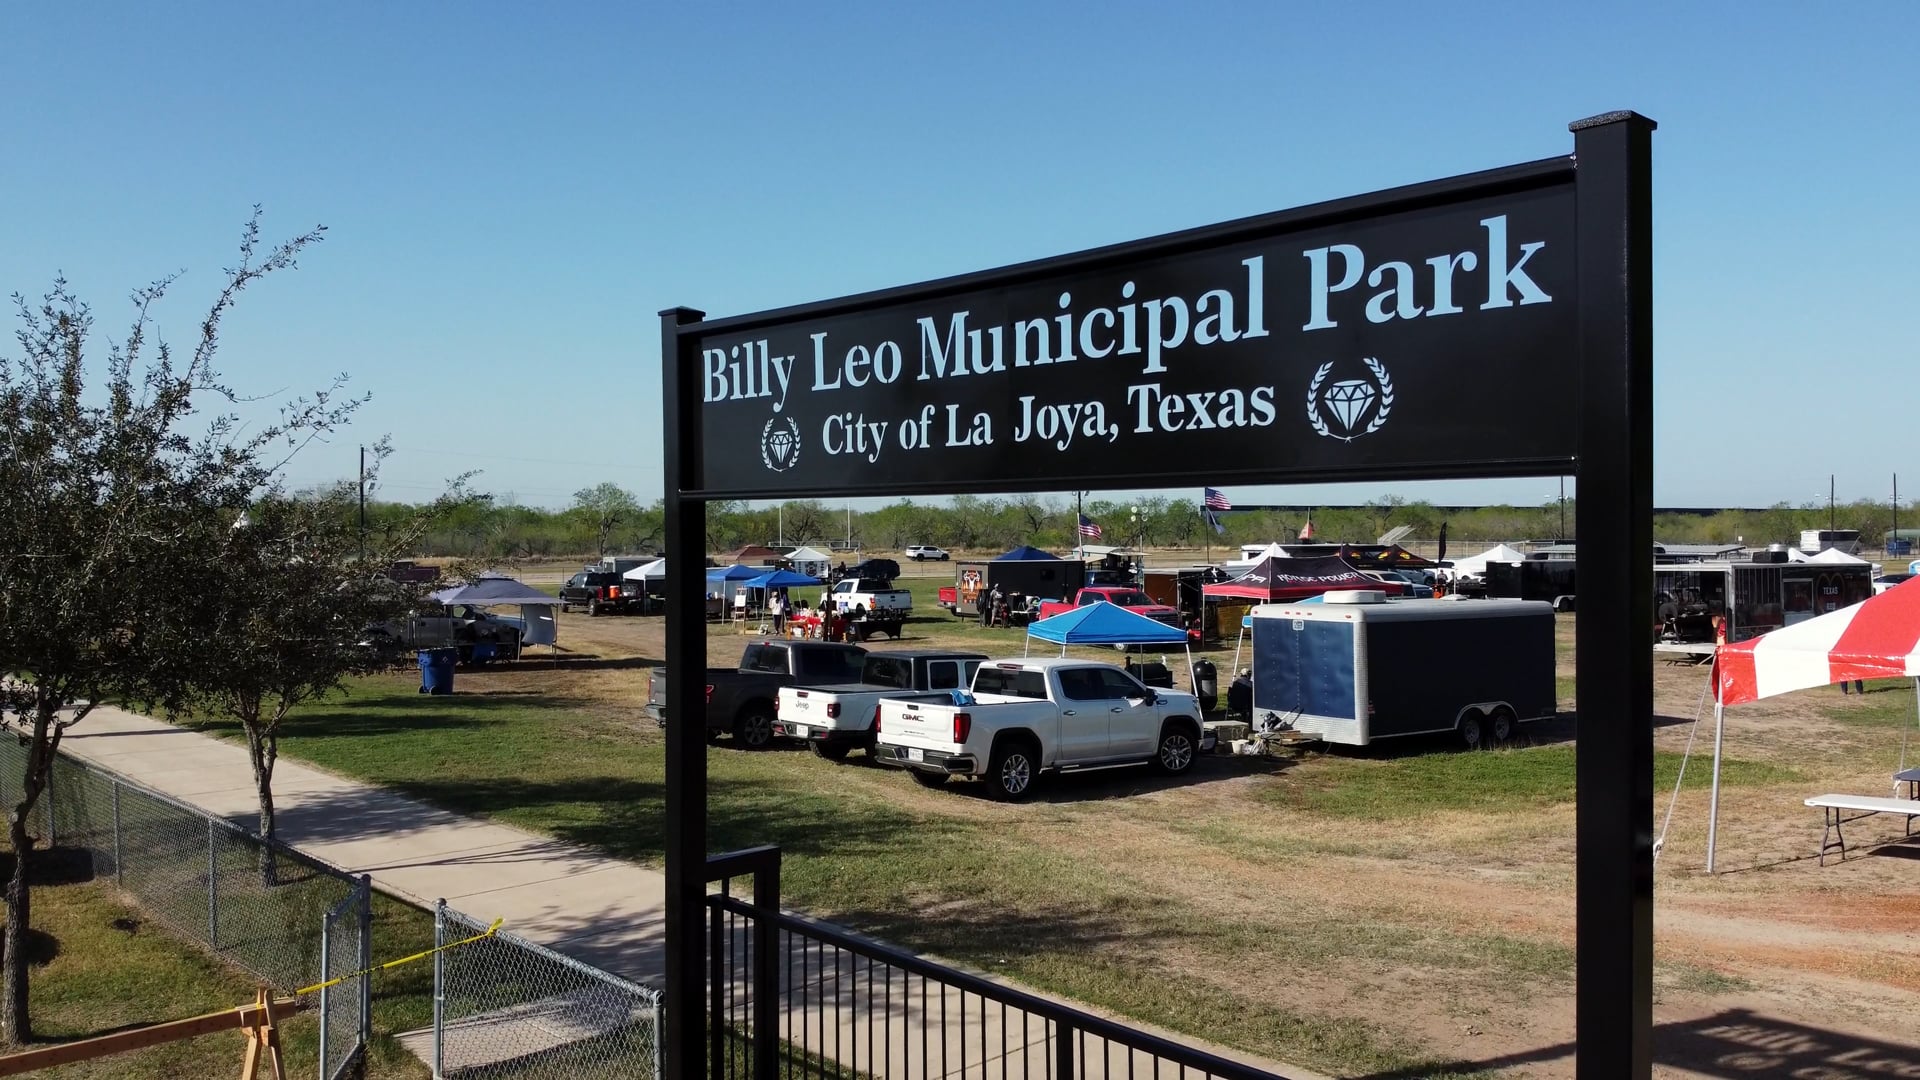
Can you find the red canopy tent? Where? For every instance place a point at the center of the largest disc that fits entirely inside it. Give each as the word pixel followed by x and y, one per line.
pixel 1878 638
pixel 1276 580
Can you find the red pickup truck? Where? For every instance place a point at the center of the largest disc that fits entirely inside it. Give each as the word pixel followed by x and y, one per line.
pixel 1125 596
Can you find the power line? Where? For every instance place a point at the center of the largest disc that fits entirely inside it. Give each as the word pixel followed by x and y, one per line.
pixel 510 457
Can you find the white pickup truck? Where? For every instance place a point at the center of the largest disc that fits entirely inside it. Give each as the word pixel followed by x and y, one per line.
pixel 836 719
pixel 1035 716
pixel 872 606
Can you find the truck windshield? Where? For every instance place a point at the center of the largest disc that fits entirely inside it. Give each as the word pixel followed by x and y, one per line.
pixel 1123 598
pixel 1010 682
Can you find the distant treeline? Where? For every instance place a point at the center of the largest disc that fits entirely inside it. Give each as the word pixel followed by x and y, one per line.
pixel 607 519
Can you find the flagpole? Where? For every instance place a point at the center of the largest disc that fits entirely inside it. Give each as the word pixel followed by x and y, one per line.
pixel 1079 538
pixel 1206 526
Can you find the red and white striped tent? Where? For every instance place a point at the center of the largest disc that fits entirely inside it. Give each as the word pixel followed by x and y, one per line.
pixel 1878 638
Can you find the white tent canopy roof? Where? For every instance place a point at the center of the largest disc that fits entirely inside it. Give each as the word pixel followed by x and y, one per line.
pixel 1834 557
pixel 645 571
pixel 1477 564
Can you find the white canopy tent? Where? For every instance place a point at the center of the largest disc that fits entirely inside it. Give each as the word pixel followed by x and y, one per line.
pixel 1834 557
pixel 810 561
pixel 653 571
pixel 1476 565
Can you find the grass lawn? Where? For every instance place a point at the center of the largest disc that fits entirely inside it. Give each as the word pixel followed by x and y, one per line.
pixel 103 965
pixel 1494 780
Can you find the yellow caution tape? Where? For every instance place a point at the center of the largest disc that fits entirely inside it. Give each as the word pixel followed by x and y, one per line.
pixel 316 987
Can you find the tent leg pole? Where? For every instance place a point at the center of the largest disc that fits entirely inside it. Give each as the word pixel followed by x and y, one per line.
pixel 1713 803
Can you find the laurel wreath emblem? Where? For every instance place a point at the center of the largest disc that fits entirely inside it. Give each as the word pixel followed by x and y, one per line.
pixel 1386 395
pixel 766 444
pixel 1313 400
pixel 1380 414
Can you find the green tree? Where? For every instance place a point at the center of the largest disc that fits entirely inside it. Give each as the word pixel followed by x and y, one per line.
pixel 284 607
pixel 605 506
pixel 117 495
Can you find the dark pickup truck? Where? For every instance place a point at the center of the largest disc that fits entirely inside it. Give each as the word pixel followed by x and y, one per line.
pixel 601 590
pixel 740 701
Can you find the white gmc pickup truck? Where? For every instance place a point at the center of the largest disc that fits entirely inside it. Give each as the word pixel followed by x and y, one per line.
pixel 1035 716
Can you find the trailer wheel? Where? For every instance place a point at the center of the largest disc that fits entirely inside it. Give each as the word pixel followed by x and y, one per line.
pixel 1473 729
pixel 1503 725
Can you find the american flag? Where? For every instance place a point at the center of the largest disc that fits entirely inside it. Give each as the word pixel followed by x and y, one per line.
pixel 1089 527
pixel 1217 500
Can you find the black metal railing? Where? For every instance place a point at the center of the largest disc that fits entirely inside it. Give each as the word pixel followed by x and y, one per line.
pixel 789 997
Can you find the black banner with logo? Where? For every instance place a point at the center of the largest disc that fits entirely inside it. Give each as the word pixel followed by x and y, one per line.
pixel 1438 339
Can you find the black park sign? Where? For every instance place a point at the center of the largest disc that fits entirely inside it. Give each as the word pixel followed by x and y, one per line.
pixel 1493 324
pixel 1435 339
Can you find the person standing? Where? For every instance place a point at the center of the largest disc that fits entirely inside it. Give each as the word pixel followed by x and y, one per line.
pixel 777 607
pixel 1859 686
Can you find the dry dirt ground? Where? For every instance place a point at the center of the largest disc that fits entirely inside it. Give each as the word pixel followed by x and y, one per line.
pixel 1776 966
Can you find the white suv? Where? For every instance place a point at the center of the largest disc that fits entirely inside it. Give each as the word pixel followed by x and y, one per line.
pixel 920 552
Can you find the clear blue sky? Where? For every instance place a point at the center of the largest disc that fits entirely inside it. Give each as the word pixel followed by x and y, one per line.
pixel 513 191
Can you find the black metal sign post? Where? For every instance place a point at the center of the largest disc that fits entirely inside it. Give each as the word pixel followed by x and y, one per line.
pixel 1495 324
pixel 1613 661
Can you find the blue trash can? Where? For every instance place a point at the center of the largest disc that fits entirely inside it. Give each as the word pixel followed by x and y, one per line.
pixel 483 651
pixel 436 670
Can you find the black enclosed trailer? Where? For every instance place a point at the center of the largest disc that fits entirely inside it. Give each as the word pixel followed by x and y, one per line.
pixel 1354 667
pixel 1551 580
pixel 1019 580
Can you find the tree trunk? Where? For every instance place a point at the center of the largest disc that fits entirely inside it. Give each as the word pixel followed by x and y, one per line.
pixel 263 749
pixel 15 1022
pixel 14 1018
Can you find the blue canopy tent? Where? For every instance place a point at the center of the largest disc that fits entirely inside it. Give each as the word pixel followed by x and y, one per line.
pixel 538 625
pixel 1023 553
pixel 1108 624
pixel 779 579
pixel 736 572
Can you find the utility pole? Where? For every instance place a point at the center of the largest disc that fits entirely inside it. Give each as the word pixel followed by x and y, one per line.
pixel 1896 506
pixel 363 503
pixel 1832 521
pixel 1079 515
pixel 1563 509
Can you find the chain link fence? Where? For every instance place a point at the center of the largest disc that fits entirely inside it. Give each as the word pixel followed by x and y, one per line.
pixel 285 917
pixel 505 1007
pixel 346 1013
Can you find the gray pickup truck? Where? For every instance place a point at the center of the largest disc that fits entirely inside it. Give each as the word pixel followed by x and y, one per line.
pixel 740 700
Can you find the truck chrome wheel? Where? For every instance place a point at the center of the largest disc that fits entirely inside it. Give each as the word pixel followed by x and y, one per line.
pixel 1176 752
pixel 1011 775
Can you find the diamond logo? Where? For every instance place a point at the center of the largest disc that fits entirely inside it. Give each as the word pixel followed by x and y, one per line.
pixel 1349 400
pixel 780 444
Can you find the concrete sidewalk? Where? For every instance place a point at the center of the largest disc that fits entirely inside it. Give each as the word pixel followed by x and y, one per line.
pixel 600 910
pixel 603 911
